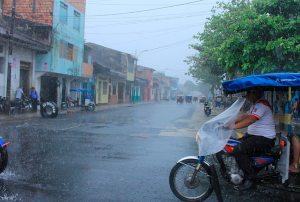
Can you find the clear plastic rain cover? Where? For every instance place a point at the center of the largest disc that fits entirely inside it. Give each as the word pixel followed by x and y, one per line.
pixel 212 137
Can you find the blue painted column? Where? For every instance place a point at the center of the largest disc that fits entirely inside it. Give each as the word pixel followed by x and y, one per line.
pixel 289 112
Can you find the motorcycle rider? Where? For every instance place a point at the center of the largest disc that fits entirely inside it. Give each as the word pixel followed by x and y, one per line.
pixel 260 136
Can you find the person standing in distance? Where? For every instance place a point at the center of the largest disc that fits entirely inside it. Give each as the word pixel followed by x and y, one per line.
pixel 20 92
pixel 35 98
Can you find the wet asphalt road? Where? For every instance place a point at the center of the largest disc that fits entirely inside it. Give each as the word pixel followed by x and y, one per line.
pixel 122 154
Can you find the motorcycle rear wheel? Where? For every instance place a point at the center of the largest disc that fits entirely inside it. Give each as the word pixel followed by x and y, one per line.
pixel 3 159
pixel 90 107
pixel 179 177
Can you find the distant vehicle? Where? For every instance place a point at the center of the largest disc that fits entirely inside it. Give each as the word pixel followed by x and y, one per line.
pixel 180 99
pixel 207 109
pixel 202 99
pixel 188 99
pixel 88 104
pixel 195 99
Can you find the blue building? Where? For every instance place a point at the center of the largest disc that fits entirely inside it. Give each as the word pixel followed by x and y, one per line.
pixel 61 69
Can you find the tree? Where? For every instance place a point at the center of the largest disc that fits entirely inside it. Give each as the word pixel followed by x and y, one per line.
pixel 204 88
pixel 189 86
pixel 205 65
pixel 266 39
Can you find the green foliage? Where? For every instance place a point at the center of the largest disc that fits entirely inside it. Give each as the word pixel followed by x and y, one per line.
pixel 267 39
pixel 248 37
pixel 205 65
pixel 190 85
pixel 204 88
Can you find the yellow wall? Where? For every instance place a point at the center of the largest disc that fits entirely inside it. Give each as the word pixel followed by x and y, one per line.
pixel 103 98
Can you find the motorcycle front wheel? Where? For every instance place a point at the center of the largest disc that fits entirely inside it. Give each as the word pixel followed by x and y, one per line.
pixel 180 176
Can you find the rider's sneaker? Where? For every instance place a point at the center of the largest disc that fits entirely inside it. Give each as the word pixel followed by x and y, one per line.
pixel 248 184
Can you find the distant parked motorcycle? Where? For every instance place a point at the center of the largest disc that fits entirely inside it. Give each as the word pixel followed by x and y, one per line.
pixel 20 105
pixel 2 103
pixel 69 103
pixel 207 109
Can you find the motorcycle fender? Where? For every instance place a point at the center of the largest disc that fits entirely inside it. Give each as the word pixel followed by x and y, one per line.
pixel 192 157
pixel 188 157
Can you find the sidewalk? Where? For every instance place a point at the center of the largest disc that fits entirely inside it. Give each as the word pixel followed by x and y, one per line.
pixel 30 115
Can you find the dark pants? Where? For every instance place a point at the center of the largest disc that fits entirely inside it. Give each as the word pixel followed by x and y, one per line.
pixel 34 104
pixel 251 146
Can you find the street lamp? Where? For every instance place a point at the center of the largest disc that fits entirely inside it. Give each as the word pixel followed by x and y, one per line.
pixel 135 75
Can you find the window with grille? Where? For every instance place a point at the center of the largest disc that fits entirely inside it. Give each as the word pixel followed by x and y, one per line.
pixel 104 88
pixel 63 15
pixel 76 21
pixel 68 51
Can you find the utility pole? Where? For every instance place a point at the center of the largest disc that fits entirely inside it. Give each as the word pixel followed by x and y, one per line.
pixel 13 15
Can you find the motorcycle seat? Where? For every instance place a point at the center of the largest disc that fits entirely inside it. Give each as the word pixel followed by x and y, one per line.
pixel 275 151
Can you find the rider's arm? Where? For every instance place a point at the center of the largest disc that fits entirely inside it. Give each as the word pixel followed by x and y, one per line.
pixel 241 118
pixel 246 122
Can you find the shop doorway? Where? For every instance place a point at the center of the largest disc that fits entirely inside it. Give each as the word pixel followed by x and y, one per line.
pixel 25 76
pixel 49 89
pixel 99 92
pixel 63 92
pixel 93 89
pixel 109 93
pixel 120 92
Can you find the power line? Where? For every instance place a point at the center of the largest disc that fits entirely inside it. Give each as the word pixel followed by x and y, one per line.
pixel 150 9
pixel 153 31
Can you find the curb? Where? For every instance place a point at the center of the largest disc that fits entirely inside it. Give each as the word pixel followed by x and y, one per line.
pixel 71 110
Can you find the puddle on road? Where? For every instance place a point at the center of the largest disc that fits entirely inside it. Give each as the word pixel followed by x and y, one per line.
pixel 100 127
pixel 139 135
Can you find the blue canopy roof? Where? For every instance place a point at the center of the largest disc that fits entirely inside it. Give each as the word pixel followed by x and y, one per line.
pixel 267 82
pixel 81 90
pixel 88 95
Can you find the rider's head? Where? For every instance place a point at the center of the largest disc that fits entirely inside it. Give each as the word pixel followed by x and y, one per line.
pixel 254 95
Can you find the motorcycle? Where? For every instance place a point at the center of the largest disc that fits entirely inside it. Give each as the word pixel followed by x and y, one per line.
pixel 88 104
pixel 69 103
pixel 193 179
pixel 20 105
pixel 207 109
pixel 2 103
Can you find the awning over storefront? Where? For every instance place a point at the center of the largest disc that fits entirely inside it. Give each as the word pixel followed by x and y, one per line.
pixel 118 74
pixel 54 74
pixel 101 69
pixel 143 81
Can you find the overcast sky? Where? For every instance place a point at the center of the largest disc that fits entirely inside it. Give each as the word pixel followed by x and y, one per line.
pixel 163 27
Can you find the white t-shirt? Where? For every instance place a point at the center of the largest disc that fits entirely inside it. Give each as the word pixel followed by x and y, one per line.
pixel 265 125
pixel 19 93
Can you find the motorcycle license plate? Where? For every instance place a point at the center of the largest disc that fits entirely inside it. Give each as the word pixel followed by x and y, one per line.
pixel 207 111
